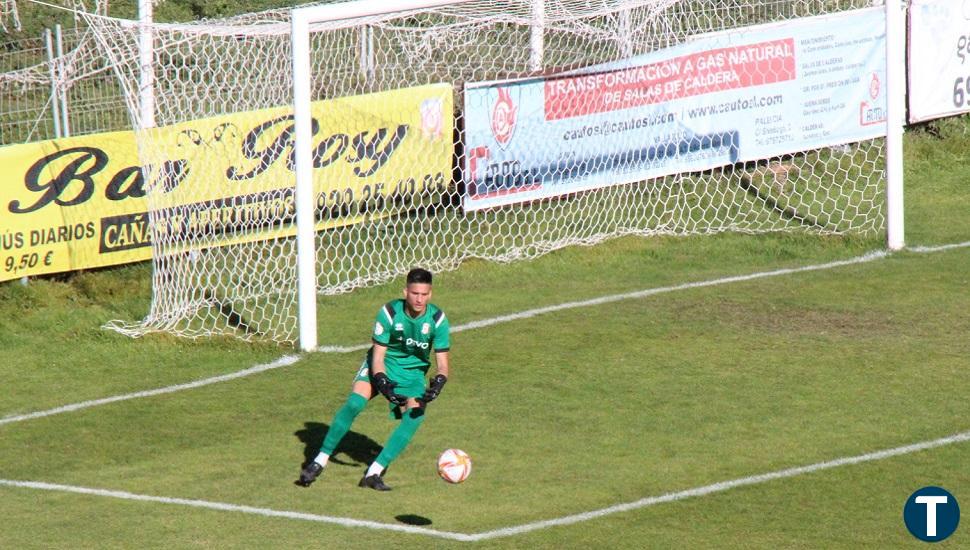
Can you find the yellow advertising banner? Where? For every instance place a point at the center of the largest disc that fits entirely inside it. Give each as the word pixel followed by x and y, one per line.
pixel 84 202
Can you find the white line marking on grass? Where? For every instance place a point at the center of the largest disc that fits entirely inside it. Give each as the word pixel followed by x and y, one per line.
pixel 289 359
pixel 346 522
pixel 343 349
pixel 518 529
pixel 284 361
pixel 722 486
pixel 665 289
pixel 938 248
pixel 877 255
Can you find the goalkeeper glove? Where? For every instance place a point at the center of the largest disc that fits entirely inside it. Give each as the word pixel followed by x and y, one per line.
pixel 386 387
pixel 434 388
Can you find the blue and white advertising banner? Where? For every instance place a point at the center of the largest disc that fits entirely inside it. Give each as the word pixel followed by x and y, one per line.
pixel 939 58
pixel 723 98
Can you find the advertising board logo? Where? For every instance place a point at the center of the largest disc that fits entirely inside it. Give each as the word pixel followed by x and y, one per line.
pixel 931 514
pixel 431 118
pixel 503 117
pixel 871 112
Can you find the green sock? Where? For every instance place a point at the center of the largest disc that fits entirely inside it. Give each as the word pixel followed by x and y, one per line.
pixel 401 436
pixel 342 421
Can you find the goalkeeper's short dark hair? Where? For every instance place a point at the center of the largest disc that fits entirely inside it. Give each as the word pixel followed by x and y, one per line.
pixel 419 275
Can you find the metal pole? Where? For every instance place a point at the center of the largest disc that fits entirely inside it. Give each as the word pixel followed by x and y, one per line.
pixel 12 7
pixel 146 65
pixel 59 45
pixel 367 64
pixel 626 34
pixel 895 114
pixel 52 72
pixel 536 42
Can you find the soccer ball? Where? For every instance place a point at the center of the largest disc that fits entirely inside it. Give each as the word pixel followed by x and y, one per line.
pixel 454 465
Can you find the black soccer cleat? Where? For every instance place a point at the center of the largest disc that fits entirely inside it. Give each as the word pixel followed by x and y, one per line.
pixel 375 482
pixel 309 474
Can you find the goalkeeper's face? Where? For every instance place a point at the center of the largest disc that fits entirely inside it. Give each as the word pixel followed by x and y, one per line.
pixel 417 296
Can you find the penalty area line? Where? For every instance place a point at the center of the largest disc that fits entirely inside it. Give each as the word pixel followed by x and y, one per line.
pixel 722 486
pixel 506 531
pixel 872 256
pixel 224 507
pixel 287 360
pixel 632 296
pixel 284 361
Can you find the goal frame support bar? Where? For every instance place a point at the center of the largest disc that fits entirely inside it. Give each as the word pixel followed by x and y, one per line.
pixel 301 19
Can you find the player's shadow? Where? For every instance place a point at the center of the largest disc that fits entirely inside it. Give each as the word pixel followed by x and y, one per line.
pixel 358 448
pixel 413 519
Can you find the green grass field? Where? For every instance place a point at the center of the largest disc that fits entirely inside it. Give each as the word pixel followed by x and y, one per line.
pixel 563 413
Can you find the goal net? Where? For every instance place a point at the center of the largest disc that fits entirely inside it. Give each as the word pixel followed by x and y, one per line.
pixel 492 130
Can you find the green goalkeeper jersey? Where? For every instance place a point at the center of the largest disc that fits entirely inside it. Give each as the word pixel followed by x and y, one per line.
pixel 409 340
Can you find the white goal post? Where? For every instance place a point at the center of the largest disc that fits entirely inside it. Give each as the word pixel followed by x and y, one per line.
pixel 295 154
pixel 305 218
pixel 896 83
pixel 302 18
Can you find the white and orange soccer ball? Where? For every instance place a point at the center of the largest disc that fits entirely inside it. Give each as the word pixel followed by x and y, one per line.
pixel 454 465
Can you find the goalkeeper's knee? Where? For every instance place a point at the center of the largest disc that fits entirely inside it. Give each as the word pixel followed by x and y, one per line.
pixel 355 403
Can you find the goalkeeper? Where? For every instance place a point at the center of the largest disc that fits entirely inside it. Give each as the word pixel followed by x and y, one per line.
pixel 405 333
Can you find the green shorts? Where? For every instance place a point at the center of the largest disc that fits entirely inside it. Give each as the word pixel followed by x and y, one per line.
pixel 408 386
